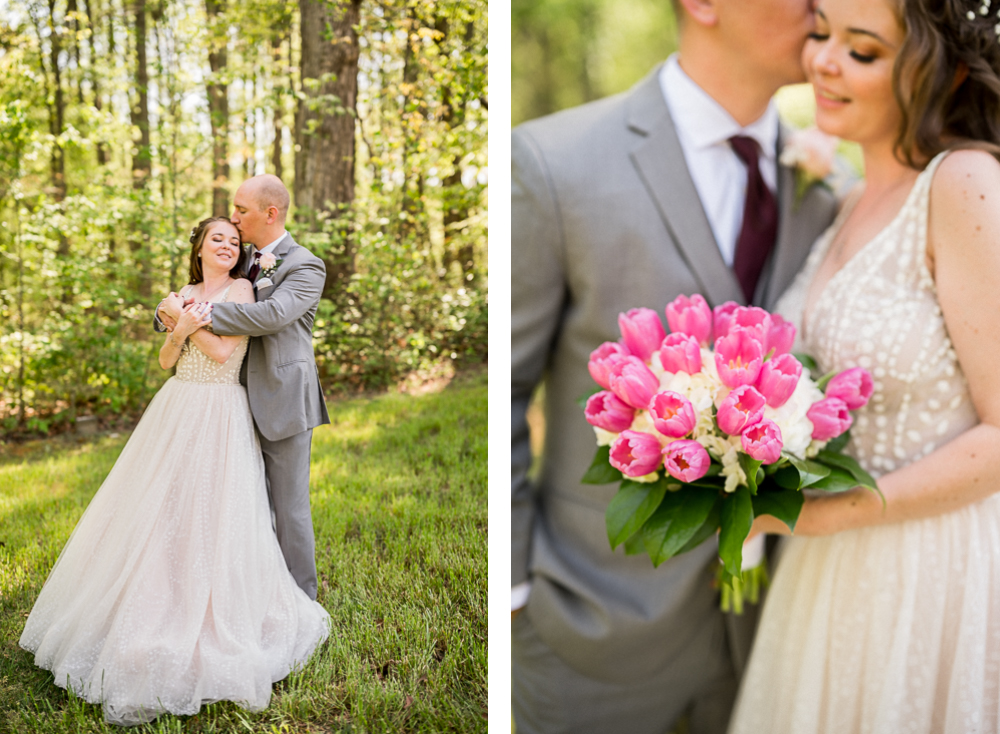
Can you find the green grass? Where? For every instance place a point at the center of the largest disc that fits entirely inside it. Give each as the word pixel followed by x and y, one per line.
pixel 399 507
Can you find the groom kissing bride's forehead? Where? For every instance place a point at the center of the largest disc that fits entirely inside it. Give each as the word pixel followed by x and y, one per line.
pixel 673 187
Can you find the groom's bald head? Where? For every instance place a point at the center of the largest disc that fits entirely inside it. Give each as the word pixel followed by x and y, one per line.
pixel 260 207
pixel 268 191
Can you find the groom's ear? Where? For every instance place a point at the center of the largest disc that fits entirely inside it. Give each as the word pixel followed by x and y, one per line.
pixel 702 12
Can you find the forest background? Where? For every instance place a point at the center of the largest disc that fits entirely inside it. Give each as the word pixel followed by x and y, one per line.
pixel 125 122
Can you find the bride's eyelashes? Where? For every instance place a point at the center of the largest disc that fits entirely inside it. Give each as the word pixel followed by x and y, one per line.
pixel 862 58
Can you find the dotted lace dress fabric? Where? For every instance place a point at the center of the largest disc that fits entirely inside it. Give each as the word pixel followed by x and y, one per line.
pixel 172 591
pixel 896 628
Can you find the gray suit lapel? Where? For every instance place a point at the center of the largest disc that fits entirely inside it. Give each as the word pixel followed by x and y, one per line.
pixel 659 159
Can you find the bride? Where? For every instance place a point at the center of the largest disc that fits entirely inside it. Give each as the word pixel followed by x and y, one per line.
pixel 888 620
pixel 172 591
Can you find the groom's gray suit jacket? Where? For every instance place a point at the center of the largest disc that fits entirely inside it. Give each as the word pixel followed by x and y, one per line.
pixel 280 368
pixel 605 218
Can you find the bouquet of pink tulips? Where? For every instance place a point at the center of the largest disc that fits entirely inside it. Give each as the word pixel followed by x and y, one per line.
pixel 712 425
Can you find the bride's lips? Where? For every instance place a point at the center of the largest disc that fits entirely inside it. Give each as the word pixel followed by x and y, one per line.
pixel 829 100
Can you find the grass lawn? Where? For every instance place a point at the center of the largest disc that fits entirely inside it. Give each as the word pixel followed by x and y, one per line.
pixel 399 508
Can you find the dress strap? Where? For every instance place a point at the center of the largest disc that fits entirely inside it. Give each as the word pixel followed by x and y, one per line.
pixel 225 293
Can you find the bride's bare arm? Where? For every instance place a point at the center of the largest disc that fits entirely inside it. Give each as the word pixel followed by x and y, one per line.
pixel 193 318
pixel 964 250
pixel 220 348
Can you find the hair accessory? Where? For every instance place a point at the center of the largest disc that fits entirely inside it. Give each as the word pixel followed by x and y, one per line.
pixel 193 233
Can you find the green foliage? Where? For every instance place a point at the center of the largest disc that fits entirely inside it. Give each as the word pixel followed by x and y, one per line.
pixel 81 270
pixel 399 506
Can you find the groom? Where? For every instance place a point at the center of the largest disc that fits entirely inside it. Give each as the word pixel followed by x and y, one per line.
pixel 671 188
pixel 279 371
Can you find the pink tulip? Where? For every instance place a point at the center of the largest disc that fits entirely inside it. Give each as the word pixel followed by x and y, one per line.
pixel 635 454
pixel 778 378
pixel 642 331
pixel 632 381
pixel 755 320
pixel 605 410
pixel 686 460
pixel 673 414
pixel 781 337
pixel 690 316
pixel 742 408
pixel 680 353
pixel 603 359
pixel 738 358
pixel 763 441
pixel 829 417
pixel 853 386
pixel 722 318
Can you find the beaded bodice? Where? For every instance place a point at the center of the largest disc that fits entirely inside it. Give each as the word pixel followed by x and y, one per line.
pixel 880 311
pixel 196 366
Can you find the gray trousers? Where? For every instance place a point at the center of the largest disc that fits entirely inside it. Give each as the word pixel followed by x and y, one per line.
pixel 286 463
pixel 549 697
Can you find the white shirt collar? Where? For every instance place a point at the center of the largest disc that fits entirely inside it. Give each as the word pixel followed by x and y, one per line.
pixel 702 122
pixel 274 244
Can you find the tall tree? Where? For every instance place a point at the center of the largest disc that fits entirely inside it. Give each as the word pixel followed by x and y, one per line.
pixel 218 105
pixel 142 157
pixel 324 125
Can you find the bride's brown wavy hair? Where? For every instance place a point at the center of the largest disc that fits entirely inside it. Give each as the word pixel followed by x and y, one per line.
pixel 946 79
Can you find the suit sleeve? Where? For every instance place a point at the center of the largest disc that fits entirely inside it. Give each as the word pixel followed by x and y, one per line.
pixel 298 292
pixel 538 289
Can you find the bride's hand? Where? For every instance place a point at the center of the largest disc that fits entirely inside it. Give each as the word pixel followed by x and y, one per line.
pixel 192 318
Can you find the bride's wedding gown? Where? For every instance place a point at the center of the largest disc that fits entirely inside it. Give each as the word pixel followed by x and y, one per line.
pixel 172 590
pixel 894 628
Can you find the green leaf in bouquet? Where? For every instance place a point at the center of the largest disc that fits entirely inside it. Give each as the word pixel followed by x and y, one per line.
pixel 714 469
pixel 837 444
pixel 785 505
pixel 808 362
pixel 850 465
pixel 750 466
pixel 582 400
pixel 787 478
pixel 680 515
pixel 810 472
pixel 601 471
pixel 707 529
pixel 634 545
pixel 837 480
pixel 631 507
pixel 734 526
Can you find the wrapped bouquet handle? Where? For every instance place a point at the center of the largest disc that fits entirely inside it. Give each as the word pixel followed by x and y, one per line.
pixel 712 424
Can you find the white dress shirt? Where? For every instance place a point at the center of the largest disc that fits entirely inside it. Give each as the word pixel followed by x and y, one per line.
pixel 720 177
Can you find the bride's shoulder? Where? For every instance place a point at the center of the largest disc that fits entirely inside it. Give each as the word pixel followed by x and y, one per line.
pixel 967 169
pixel 241 291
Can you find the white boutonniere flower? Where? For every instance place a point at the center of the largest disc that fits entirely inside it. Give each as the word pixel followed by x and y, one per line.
pixel 811 153
pixel 268 264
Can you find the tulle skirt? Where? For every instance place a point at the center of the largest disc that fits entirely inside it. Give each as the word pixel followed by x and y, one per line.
pixel 882 630
pixel 172 590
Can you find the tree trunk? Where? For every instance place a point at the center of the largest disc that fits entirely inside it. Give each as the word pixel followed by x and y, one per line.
pixel 276 40
pixel 102 155
pixel 324 161
pixel 57 111
pixel 218 107
pixel 142 158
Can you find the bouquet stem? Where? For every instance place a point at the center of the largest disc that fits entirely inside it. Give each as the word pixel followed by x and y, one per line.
pixel 741 591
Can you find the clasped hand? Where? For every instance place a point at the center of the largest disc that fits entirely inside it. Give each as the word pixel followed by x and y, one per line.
pixel 183 316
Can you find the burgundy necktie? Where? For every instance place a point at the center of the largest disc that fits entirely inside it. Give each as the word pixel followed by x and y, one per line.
pixel 760 220
pixel 255 268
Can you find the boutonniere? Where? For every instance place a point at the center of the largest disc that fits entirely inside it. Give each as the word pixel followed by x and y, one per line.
pixel 268 264
pixel 811 153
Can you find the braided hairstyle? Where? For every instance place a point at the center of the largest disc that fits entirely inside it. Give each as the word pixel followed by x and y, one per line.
pixel 197 239
pixel 946 79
